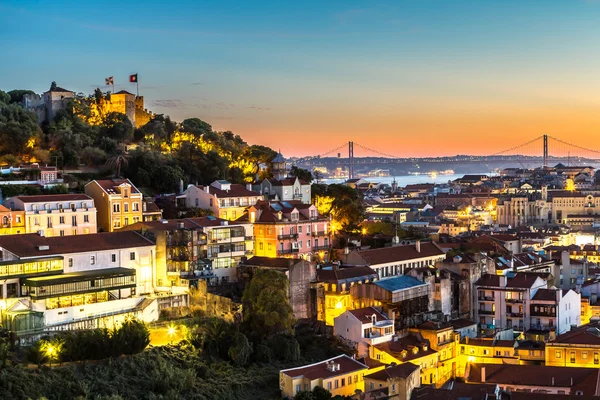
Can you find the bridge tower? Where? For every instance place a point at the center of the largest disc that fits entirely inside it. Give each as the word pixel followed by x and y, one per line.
pixel 545 150
pixel 350 160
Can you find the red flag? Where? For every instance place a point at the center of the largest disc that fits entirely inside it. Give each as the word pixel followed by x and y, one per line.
pixel 133 78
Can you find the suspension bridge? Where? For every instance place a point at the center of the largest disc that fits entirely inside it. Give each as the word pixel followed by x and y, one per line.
pixel 544 150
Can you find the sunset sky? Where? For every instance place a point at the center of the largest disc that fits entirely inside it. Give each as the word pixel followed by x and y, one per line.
pixel 409 78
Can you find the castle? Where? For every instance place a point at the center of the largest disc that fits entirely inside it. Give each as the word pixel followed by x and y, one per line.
pixel 56 98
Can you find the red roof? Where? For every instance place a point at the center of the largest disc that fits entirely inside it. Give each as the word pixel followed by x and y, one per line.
pixel 364 314
pixel 110 185
pixel 403 370
pixel 400 253
pixel 28 245
pixel 586 334
pixel 320 370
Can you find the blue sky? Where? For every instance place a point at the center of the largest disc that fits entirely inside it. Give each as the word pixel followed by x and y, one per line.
pixel 407 77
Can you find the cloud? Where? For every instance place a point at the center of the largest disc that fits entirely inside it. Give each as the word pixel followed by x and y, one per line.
pixel 170 103
pixel 259 108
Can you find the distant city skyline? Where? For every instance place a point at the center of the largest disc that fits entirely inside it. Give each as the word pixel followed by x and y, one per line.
pixel 411 78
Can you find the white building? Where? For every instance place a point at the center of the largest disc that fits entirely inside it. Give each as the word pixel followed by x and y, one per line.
pixel 284 189
pixel 65 282
pixel 226 200
pixel 365 327
pixel 56 214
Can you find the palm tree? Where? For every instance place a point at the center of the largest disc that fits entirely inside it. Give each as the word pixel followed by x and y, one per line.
pixel 116 162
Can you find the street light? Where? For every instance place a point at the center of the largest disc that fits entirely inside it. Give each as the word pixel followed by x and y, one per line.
pixel 171 332
pixel 50 353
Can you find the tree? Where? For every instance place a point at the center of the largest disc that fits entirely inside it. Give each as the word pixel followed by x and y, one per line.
pixel 266 306
pixel 116 162
pixel 19 131
pixel 240 350
pixel 196 126
pixel 16 96
pixel 130 338
pixel 118 127
pixel 301 173
pixel 320 393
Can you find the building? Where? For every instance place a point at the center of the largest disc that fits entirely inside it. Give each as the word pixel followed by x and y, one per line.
pixel 404 297
pixel 49 104
pixel 395 260
pixel 522 301
pixel 12 222
pixel 399 380
pixel 82 281
pixel 288 229
pixel 284 189
pixel 536 378
pixel 226 200
pixel 300 273
pixel 335 285
pixel 341 375
pixel 198 248
pixel 150 211
pixel 578 348
pixel 442 339
pixel 464 327
pixel 56 214
pixel 118 203
pixel 364 327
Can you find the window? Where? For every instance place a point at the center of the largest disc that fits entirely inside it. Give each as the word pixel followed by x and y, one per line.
pixel 92 260
pixel 298 388
pixel 572 358
pixel 299 228
pixel 350 380
pixel 557 354
pixel 70 263
pixel 498 353
pixel 308 243
pixel 116 208
pixel 125 207
pixel 329 386
pixel 113 257
pixel 62 233
pixel 132 256
pixel 125 221
pixel 62 220
pixel 584 355
pixel 11 290
pixel 343 381
pixel 86 218
pixel 136 206
pixel 595 357
pixel 260 245
pixel 74 220
pixel 393 388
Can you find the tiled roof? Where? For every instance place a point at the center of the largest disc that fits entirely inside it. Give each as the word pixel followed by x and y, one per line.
pixel 235 190
pixel 3 209
pixel 406 343
pixel 53 197
pixel 364 314
pixel 461 323
pixel 525 279
pixel 545 295
pixel 320 371
pixel 396 371
pixel 28 245
pixel 453 390
pixel 586 334
pixel 536 375
pixel 151 206
pixel 343 274
pixel 488 280
pixel 269 262
pixel 400 253
pixel 109 185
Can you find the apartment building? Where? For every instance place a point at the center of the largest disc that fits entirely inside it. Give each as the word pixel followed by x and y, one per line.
pixel 364 327
pixel 56 214
pixel 288 229
pixel 286 189
pixel 226 200
pixel 118 202
pixel 522 301
pixel 578 348
pixel 341 375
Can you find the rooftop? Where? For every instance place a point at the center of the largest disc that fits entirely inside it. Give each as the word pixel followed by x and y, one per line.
pixel 400 253
pixel 49 198
pixel 397 283
pixel 321 371
pixel 403 370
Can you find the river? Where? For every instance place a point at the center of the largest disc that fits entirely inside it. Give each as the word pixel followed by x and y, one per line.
pixel 404 180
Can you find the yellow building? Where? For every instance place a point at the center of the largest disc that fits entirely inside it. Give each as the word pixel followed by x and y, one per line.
pixel 118 203
pixel 410 349
pixel 11 222
pixel 445 341
pixel 586 310
pixel 341 375
pixel 485 351
pixel 578 348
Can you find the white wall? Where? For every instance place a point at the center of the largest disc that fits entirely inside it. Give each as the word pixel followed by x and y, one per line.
pixel 569 312
pixel 347 326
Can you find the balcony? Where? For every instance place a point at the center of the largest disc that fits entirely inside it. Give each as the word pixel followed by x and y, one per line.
pixel 288 251
pixel 319 233
pixel 297 197
pixel 323 247
pixel 290 236
pixel 487 312
pixel 542 313
pixel 543 327
pixel 514 314
pixel 485 298
pixel 514 300
pixel 204 274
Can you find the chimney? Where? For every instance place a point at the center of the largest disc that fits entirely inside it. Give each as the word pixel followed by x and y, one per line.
pixel 206 189
pixel 552 381
pixel 418 246
pixel 483 375
pixel 41 233
pixel 180 186
pixel 249 186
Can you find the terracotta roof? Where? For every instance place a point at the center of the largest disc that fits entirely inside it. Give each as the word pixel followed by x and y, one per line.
pixel 537 375
pixel 400 253
pixel 235 190
pixel 151 206
pixel 453 390
pixel 406 343
pixel 53 197
pixel 269 262
pixel 488 280
pixel 3 209
pixel 461 323
pixel 525 279
pixel 27 245
pixel 320 371
pixel 403 370
pixel 109 185
pixel 545 295
pixel 586 334
pixel 364 314
pixel 335 274
pixel 286 181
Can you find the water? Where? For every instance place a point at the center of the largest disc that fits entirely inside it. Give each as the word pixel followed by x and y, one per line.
pixel 404 180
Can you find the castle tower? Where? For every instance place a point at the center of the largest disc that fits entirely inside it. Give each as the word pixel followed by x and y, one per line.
pixel 279 167
pixel 123 102
pixel 55 100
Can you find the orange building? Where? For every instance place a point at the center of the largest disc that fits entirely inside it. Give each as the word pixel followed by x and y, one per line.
pixel 118 203
pixel 11 222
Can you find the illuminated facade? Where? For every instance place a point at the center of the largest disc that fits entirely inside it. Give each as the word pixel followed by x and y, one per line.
pixel 57 214
pixel 288 229
pixel 12 222
pixel 578 348
pixel 118 203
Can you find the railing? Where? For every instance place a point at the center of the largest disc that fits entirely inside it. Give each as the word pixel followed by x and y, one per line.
pixel 543 327
pixel 318 233
pixel 290 236
pixel 514 314
pixel 542 314
pixel 288 251
pixel 514 300
pixel 486 298
pixel 487 312
pixel 323 247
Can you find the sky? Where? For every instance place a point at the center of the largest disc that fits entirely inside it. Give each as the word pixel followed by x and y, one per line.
pixel 406 78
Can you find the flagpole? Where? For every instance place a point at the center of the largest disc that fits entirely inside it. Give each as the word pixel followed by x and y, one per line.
pixel 137 84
